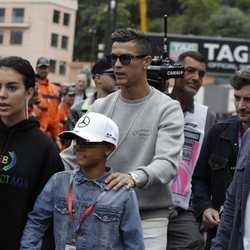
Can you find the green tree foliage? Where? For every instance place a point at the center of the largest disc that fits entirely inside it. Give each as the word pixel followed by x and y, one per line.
pixel 224 25
pixel 194 13
pixel 244 5
pixel 95 23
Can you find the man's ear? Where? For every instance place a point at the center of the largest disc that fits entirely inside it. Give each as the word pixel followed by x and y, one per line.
pixel 98 77
pixel 147 61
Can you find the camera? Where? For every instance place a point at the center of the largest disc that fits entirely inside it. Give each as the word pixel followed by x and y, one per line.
pixel 162 68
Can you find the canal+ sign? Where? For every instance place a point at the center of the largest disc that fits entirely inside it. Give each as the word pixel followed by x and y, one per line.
pixel 223 55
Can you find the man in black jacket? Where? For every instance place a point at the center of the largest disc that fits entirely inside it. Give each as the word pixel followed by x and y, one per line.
pixel 215 169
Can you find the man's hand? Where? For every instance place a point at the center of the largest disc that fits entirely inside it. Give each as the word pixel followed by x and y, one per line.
pixel 210 218
pixel 117 180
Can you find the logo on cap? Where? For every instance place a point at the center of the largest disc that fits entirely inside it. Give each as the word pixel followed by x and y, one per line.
pixel 85 121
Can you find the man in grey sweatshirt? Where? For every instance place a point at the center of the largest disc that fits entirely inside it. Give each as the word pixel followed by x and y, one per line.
pixel 151 134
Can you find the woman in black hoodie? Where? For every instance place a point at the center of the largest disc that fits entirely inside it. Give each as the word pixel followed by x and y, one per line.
pixel 28 157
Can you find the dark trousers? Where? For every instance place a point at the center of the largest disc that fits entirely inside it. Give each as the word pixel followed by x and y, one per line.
pixel 184 231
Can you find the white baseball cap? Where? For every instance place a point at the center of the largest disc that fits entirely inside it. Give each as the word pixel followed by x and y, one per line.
pixel 94 127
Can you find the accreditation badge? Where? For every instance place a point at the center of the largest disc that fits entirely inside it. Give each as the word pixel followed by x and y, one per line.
pixel 70 246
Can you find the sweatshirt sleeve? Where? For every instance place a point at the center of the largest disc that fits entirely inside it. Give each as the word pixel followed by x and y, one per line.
pixel 168 146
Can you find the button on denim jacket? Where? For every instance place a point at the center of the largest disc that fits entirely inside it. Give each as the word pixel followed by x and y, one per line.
pixel 114 222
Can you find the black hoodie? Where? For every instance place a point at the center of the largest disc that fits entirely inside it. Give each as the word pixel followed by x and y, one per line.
pixel 28 158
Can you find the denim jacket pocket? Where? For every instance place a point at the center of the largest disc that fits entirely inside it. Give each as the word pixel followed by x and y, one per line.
pixel 61 205
pixel 61 214
pixel 106 221
pixel 217 163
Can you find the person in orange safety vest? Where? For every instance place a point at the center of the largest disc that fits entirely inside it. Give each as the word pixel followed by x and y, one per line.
pixel 49 100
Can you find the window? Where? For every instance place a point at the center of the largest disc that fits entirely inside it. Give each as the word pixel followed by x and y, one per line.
pixel 66 19
pixel 62 68
pixel 64 44
pixel 18 15
pixel 1 37
pixel 52 66
pixel 16 37
pixel 54 40
pixel 2 15
pixel 56 16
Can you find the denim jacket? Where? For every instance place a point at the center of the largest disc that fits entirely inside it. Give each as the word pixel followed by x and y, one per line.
pixel 113 224
pixel 230 233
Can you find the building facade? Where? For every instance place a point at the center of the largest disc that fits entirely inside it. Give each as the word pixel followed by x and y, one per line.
pixel 32 28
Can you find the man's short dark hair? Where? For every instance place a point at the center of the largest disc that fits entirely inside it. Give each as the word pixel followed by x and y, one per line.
pixel 241 78
pixel 136 36
pixel 100 66
pixel 193 54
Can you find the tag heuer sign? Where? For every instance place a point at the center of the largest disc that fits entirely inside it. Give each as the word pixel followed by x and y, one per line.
pixel 223 55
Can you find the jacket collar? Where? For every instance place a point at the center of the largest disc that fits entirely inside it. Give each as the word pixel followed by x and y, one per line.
pixel 80 178
pixel 231 132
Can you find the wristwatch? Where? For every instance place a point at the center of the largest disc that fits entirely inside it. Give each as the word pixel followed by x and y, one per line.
pixel 135 178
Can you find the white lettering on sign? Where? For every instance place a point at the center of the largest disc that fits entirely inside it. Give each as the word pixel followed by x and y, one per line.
pixel 176 48
pixel 241 54
pixel 225 53
pixel 211 47
pixel 222 52
pixel 179 47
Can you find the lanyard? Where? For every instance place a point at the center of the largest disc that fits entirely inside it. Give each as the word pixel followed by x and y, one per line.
pixel 87 211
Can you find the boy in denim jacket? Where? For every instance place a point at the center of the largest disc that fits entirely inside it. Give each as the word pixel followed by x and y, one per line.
pixel 85 215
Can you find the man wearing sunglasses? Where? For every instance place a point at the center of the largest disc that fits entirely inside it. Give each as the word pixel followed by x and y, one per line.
pixel 151 134
pixel 104 80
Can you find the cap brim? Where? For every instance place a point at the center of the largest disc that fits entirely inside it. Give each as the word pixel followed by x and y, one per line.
pixel 71 135
pixel 43 64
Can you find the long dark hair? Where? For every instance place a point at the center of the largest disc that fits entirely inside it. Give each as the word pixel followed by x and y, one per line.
pixel 22 66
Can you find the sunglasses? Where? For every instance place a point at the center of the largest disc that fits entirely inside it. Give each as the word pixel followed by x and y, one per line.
pixel 124 59
pixel 109 74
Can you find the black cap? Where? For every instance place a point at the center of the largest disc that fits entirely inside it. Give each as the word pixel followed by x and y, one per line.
pixel 101 66
pixel 69 90
pixel 42 61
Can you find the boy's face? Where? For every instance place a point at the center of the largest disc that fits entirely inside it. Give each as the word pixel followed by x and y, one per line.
pixel 91 154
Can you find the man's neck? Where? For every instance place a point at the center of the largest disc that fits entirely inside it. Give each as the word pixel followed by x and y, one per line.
pixel 100 93
pixel 135 93
pixel 244 126
pixel 185 101
pixel 79 92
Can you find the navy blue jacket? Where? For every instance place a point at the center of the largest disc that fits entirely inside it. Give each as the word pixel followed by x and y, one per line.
pixel 214 170
pixel 231 229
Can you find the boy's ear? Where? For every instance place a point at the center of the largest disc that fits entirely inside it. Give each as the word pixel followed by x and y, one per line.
pixel 109 149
